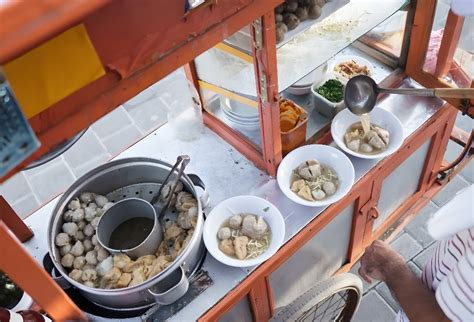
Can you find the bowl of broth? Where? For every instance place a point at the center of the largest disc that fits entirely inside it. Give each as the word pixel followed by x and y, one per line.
pixel 244 231
pixel 315 175
pixel 371 136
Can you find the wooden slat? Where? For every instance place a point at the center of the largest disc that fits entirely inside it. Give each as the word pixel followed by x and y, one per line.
pixel 24 25
pixel 13 222
pixel 26 272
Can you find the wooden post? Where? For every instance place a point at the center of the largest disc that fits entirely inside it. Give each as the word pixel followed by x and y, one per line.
pixel 265 65
pixel 13 222
pixel 449 43
pixel 25 271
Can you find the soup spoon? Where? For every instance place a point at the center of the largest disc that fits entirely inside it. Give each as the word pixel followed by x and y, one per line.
pixel 360 93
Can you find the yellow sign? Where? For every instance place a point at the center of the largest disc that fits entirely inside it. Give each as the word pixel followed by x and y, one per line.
pixel 53 70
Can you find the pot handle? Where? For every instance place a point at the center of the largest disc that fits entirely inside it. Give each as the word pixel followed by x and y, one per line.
pixel 55 275
pixel 173 287
pixel 205 198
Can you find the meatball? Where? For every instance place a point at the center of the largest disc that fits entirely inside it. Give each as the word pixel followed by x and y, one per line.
pixel 301 13
pixel 329 188
pixel 91 257
pixel 76 275
pixel 224 233
pixel 278 18
pixel 281 30
pixel 291 21
pixel 67 260
pixel 77 249
pixel 62 239
pixel 79 262
pixel 65 249
pixel 235 222
pixel 318 194
pixel 314 12
pixel 291 7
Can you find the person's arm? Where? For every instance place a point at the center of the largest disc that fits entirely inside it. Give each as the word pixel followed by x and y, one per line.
pixel 383 263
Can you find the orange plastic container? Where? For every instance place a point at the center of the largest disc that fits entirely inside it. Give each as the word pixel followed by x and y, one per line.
pixel 295 137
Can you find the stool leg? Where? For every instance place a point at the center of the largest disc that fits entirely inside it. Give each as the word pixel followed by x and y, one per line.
pixel 25 271
pixel 14 223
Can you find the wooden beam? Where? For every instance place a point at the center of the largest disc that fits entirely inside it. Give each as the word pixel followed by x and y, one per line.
pixel 25 271
pixel 13 222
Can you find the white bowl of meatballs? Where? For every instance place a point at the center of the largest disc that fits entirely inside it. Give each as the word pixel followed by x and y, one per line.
pixel 382 138
pixel 244 231
pixel 315 175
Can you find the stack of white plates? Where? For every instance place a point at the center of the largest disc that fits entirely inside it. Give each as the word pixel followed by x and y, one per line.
pixel 240 114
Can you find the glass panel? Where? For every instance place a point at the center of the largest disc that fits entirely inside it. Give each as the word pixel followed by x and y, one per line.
pixel 305 52
pixel 460 73
pixel 388 36
pixel 401 184
pixel 241 312
pixel 236 114
pixel 316 260
pixel 319 117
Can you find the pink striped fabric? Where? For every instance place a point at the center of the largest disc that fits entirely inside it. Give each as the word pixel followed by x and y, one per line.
pixel 450 274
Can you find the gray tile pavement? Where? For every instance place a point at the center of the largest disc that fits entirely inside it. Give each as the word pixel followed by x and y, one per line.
pixel 422 258
pixel 407 246
pixel 112 123
pixel 383 290
pixel 15 188
pixel 122 139
pixel 374 308
pixel 449 191
pixel 47 182
pixel 26 205
pixel 89 149
pixel 453 150
pixel 417 227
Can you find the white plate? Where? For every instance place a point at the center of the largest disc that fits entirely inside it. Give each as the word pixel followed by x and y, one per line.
pixel 378 116
pixel 326 155
pixel 359 60
pixel 238 205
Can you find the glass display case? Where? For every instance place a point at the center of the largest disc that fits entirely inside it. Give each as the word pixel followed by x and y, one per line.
pixel 304 58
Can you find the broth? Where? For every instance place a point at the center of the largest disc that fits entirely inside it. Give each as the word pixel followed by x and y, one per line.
pixel 131 233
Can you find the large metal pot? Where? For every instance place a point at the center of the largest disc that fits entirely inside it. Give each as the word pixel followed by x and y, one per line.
pixel 134 174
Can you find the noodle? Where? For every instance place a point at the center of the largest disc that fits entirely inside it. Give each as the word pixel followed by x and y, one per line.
pixel 365 121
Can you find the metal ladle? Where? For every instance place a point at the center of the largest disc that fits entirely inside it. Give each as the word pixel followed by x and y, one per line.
pixel 134 207
pixel 360 94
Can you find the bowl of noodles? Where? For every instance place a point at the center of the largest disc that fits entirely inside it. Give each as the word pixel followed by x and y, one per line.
pixel 382 135
pixel 244 231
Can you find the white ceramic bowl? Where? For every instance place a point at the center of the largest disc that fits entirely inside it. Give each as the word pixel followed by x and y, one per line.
pixel 343 58
pixel 378 116
pixel 238 205
pixel 326 155
pixel 303 86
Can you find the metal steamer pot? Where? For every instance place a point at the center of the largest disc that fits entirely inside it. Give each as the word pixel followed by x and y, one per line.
pixel 137 177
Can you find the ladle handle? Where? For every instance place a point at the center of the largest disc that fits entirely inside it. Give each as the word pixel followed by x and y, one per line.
pixel 454 92
pixel 408 91
pixel 439 92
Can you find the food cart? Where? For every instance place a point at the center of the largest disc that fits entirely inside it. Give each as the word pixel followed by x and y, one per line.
pixel 231 56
